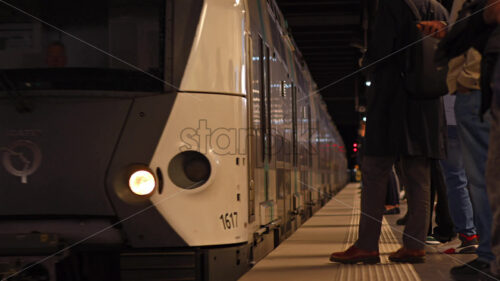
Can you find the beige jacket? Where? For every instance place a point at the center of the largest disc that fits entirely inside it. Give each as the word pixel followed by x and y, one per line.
pixel 465 70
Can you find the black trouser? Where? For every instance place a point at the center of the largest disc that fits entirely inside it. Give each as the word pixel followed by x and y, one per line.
pixel 392 196
pixel 376 172
pixel 438 187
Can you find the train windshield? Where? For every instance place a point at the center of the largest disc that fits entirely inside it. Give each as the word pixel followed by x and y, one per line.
pixel 113 45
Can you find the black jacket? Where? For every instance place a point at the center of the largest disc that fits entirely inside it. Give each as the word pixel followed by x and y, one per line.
pixel 488 65
pixel 397 124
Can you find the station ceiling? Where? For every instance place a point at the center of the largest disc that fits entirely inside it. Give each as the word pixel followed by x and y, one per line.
pixel 330 34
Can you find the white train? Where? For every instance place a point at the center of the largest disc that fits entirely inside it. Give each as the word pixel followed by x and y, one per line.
pixel 118 175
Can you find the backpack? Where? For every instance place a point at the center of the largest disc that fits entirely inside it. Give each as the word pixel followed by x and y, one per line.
pixel 423 77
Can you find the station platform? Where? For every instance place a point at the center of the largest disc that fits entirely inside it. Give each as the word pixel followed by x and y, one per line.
pixel 304 256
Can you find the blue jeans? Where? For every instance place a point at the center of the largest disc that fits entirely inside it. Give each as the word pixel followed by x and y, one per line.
pixel 459 201
pixel 474 136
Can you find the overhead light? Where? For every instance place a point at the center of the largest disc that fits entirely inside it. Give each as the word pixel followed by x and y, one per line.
pixel 364 119
pixel 368 83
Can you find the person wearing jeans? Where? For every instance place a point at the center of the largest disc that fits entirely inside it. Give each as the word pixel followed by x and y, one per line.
pixel 474 137
pixel 473 133
pixel 459 200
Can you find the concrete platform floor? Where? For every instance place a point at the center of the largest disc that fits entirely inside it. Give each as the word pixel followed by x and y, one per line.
pixel 304 256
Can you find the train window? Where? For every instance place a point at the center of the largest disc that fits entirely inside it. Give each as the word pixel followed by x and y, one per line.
pixel 258 102
pixel 287 126
pixel 294 126
pixel 316 141
pixel 267 103
pixel 89 45
pixel 303 137
pixel 263 101
pixel 310 138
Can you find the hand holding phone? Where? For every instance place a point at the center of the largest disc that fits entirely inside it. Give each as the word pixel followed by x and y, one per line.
pixel 433 28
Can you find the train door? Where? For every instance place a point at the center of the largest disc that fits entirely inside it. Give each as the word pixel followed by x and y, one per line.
pixel 253 110
pixel 277 165
pixel 268 207
pixel 314 154
pixel 287 150
pixel 282 135
pixel 261 206
pixel 310 163
pixel 296 197
pixel 303 144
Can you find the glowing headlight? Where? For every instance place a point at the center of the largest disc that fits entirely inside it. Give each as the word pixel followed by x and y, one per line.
pixel 142 182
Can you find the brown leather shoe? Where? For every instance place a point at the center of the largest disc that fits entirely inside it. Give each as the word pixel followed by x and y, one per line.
pixel 355 255
pixel 408 255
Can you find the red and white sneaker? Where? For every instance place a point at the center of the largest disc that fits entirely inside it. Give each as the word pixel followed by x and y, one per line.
pixel 463 245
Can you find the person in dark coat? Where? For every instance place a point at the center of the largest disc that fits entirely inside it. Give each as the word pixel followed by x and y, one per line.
pixel 492 50
pixel 397 126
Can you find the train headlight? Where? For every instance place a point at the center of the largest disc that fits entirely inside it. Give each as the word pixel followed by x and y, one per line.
pixel 135 184
pixel 142 182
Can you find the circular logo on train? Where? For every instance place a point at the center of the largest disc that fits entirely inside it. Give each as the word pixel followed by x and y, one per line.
pixel 21 159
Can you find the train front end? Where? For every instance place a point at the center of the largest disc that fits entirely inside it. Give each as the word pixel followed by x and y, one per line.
pixel 87 94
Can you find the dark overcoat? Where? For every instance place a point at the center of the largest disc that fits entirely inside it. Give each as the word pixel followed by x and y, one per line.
pixel 397 124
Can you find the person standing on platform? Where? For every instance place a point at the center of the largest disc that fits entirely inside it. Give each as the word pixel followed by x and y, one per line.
pixel 492 16
pixel 473 128
pixel 459 199
pixel 463 80
pixel 473 120
pixel 474 136
pixel 397 126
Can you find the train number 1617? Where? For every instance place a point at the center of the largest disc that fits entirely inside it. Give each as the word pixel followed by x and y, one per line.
pixel 229 220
